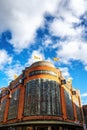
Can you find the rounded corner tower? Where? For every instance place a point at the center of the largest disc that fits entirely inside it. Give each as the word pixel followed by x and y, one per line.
pixel 41 99
pixel 42 92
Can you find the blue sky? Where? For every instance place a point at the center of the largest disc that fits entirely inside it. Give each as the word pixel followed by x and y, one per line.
pixel 49 28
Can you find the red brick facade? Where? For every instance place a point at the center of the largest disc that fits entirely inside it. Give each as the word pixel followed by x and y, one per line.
pixel 41 93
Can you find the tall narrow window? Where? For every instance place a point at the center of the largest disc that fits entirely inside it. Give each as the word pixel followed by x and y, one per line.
pixel 13 107
pixel 2 109
pixel 69 107
pixel 78 110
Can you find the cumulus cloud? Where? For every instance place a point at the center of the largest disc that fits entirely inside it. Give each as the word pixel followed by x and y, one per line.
pixel 47 41
pixel 63 29
pixel 78 7
pixel 4 59
pixel 11 70
pixel 68 15
pixel 73 50
pixel 23 18
pixel 67 25
pixel 84 95
pixel 65 72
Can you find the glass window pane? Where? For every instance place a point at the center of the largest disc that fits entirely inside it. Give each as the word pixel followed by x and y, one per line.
pixel 2 109
pixel 13 107
pixel 42 97
pixel 69 107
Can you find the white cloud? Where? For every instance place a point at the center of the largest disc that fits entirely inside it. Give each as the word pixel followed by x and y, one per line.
pixel 78 7
pixel 84 95
pixel 62 28
pixel 47 41
pixel 4 58
pixel 12 70
pixel 23 17
pixel 71 10
pixel 73 47
pixel 73 50
pixel 65 18
pixel 65 72
pixel 69 17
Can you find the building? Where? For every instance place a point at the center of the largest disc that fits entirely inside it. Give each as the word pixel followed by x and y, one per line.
pixel 40 99
pixel 85 114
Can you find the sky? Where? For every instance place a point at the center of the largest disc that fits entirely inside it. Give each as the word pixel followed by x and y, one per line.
pixel 47 29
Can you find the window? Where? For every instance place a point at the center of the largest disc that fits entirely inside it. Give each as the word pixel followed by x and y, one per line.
pixel 69 106
pixel 78 110
pixel 42 97
pixel 13 107
pixel 2 109
pixel 36 72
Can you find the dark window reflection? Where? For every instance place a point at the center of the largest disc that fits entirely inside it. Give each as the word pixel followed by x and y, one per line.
pixel 2 109
pixel 13 107
pixel 78 111
pixel 42 98
pixel 69 106
pixel 36 72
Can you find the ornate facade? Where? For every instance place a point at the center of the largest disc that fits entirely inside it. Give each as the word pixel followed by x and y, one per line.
pixel 40 99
